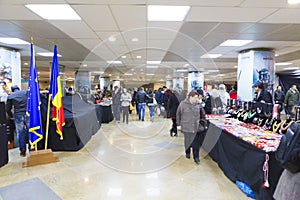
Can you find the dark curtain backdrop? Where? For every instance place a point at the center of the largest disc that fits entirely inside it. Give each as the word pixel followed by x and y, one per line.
pixel 287 79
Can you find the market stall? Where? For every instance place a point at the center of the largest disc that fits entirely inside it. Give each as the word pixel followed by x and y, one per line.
pixel 245 152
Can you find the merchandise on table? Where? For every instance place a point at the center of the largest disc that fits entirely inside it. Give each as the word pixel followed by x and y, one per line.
pixel 251 133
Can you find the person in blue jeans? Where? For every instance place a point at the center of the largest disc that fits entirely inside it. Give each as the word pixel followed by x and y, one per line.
pixel 17 101
pixel 150 104
pixel 141 98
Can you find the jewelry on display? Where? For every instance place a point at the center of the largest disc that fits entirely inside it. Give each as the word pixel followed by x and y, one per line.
pixel 260 122
pixel 250 115
pixel 276 126
pixel 245 116
pixel 283 127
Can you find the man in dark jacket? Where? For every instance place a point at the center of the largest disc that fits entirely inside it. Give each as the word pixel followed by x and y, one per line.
pixel 291 100
pixel 17 101
pixel 141 98
pixel 279 97
pixel 174 100
pixel 262 95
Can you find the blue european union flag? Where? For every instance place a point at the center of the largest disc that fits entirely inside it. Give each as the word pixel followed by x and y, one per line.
pixel 33 104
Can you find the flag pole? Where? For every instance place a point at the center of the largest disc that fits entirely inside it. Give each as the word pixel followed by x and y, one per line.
pixel 47 122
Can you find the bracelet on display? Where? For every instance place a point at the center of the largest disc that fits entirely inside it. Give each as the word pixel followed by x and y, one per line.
pixel 268 124
pixel 255 120
pixel 261 122
pixel 285 125
pixel 276 126
pixel 251 114
pixel 267 114
pixel 245 117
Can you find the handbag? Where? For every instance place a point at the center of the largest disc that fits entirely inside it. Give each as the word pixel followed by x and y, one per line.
pixel 202 126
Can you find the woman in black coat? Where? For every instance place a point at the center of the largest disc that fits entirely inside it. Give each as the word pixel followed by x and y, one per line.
pixel 173 103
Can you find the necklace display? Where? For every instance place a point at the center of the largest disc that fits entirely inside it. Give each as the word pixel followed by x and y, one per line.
pixel 276 126
pixel 285 125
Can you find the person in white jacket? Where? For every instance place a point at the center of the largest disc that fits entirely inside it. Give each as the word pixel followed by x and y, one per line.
pixel 224 95
pixel 125 101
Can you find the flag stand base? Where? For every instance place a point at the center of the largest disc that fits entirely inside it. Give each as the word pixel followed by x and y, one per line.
pixel 40 157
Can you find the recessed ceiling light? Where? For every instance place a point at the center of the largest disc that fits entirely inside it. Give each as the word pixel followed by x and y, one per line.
pixel 54 11
pixel 182 70
pixel 167 13
pixel 128 74
pixel 26 63
pixel 293 1
pixel 149 74
pixel 235 66
pixel 220 74
pixel 152 66
pixel 112 39
pixel 291 68
pixel 213 70
pixel 109 74
pixel 283 64
pixel 211 55
pixel 276 54
pixel 114 62
pixel 84 65
pixel 135 39
pixel 154 62
pixel 138 57
pixel 123 56
pixel 12 41
pixel 235 43
pixel 47 54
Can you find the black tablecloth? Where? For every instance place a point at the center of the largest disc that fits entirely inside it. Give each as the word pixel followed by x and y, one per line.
pixel 81 122
pixel 242 161
pixel 106 115
pixel 3 137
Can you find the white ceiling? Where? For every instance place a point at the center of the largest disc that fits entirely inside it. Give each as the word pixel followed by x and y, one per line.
pixel 110 29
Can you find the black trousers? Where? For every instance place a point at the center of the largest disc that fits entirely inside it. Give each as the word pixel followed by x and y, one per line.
pixel 174 126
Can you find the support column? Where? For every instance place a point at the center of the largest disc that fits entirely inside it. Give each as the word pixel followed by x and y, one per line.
pixel 255 65
pixel 195 80
pixel 83 82
pixel 178 83
pixel 105 83
pixel 10 67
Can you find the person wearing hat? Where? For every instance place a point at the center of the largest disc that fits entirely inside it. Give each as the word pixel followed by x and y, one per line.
pixel 262 95
pixel 188 116
pixel 17 101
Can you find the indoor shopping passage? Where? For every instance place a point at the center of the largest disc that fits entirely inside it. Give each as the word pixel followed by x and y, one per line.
pixel 138 160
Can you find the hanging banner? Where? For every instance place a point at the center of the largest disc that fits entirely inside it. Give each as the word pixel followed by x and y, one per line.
pixel 178 83
pixel 10 67
pixel 116 83
pixel 83 82
pixel 254 66
pixel 195 81
pixel 169 84
pixel 104 83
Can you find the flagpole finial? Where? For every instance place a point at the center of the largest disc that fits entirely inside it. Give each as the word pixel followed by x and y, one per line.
pixel 31 40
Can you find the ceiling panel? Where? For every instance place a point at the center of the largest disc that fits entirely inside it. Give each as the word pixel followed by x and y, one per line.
pixel 161 34
pixel 232 27
pixel 71 28
pixel 118 2
pixel 208 14
pixel 136 18
pixel 159 44
pixel 98 17
pixel 105 35
pixel 225 3
pixel 89 43
pixel 263 28
pixel 284 16
pixel 17 12
pixel 266 4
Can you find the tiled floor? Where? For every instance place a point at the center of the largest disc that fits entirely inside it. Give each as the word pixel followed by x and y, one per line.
pixel 135 161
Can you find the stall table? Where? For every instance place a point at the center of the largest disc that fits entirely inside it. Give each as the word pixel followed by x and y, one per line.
pixel 241 160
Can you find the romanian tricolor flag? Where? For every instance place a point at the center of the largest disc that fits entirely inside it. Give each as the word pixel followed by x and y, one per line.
pixel 56 95
pixel 33 104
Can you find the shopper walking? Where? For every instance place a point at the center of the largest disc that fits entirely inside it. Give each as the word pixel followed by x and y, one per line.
pixel 188 116
pixel 125 103
pixel 172 109
pixel 291 100
pixel 116 103
pixel 150 103
pixel 279 98
pixel 16 109
pixel 141 100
